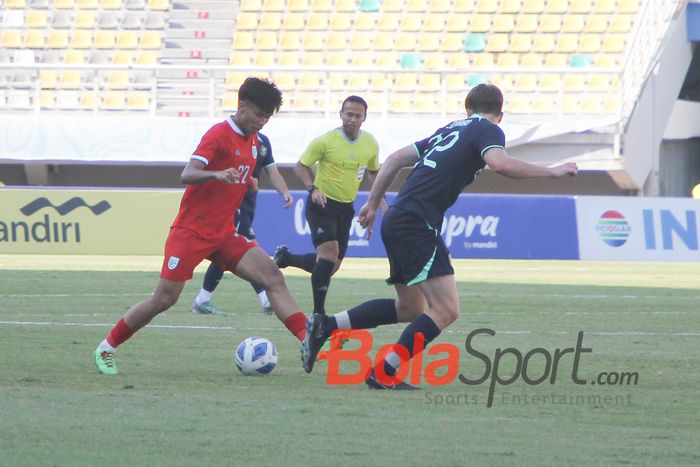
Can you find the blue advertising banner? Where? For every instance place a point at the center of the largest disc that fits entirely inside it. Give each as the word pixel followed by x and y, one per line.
pixel 477 226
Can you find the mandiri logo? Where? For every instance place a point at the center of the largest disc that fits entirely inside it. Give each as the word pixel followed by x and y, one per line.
pixel 613 228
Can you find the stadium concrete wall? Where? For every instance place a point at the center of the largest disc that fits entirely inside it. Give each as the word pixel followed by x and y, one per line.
pixel 136 222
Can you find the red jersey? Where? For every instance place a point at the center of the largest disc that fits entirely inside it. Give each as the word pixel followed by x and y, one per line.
pixel 208 208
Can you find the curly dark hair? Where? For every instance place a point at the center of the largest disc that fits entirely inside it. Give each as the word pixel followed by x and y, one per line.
pixel 484 98
pixel 262 93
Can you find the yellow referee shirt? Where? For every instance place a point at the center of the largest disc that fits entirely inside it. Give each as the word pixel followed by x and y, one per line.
pixel 341 162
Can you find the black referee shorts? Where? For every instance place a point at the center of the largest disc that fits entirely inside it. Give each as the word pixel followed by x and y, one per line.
pixel 330 223
pixel 415 249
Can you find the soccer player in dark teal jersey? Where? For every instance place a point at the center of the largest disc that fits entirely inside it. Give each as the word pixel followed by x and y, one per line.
pixel 421 272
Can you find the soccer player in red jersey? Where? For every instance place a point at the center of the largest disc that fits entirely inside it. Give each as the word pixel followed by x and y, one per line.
pixel 217 176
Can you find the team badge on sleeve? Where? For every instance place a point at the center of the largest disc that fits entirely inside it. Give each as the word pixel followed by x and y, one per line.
pixel 173 262
pixel 255 152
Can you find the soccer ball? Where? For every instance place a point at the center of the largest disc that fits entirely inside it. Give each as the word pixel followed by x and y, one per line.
pixel 256 356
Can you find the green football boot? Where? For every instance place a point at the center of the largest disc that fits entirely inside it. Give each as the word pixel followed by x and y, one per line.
pixel 104 361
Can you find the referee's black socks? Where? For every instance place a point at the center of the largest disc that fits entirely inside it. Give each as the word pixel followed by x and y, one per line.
pixel 320 280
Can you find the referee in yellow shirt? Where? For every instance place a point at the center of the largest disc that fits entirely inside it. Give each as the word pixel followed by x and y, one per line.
pixel 343 156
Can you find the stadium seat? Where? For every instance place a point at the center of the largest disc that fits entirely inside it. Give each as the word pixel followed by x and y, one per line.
pixel 135 4
pixel 370 5
pixel 147 57
pixel 138 100
pixel 359 42
pixel 476 79
pixel 317 22
pixel 336 81
pixel 264 59
pixel 627 6
pixel 455 82
pixel 383 41
pixel 543 43
pixel 70 79
pixel 340 22
pixel 84 20
pixel 109 20
pixel 345 6
pixel 104 39
pixel 480 23
pixel 13 19
pixel 614 43
pixel 74 57
pixel 23 57
pixel 557 6
pixel 510 6
pixel 526 23
pixel 549 82
pixel 250 5
pixel 234 79
pixel 81 39
pixel 34 39
pixel 388 22
pixel 387 60
pixel 520 43
pixel 10 39
pixel 604 6
pixel 336 59
pixel 458 61
pixel 497 43
pixel 298 6
pixel 620 23
pixel 309 81
pixel 305 102
pixel 574 82
pixel 15 4
pixel 405 42
pixel 425 103
pixel 114 100
pixel 150 40
pixel 429 82
pixel 313 41
pixel 589 43
pixel 127 40
pixel 274 5
pixel 117 79
pixel 486 6
pixel 566 43
pixel 440 6
pixel 457 23
pixel 580 6
pixel 357 82
pixel 573 23
pixel 158 5
pixel 434 23
pixel 507 60
pixel 58 39
pixel 154 20
pixel 435 60
pixel 474 43
pixel 87 4
pixel 285 80
pixel 410 23
pixel 293 22
pixel 63 4
pixel 48 79
pixel 111 4
pixel 604 61
pixel 47 100
pixel 365 22
pixel 335 41
pixel 242 40
pixel 247 21
pixel 292 58
pixel 549 24
pixel 531 60
pixel 556 61
pixel 289 40
pixel 429 42
pixel 392 6
pixel 533 6
pixel 580 60
pixel 266 40
pixel 503 23
pixel 378 82
pixel 483 60
pixel 37 19
pixel 122 57
pixel 322 5
pixel 400 103
pixel 463 6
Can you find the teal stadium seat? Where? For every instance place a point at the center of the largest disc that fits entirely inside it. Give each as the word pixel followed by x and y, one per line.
pixel 411 60
pixel 370 5
pixel 581 61
pixel 475 42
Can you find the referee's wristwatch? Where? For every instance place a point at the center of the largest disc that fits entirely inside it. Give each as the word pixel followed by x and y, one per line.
pixel 311 188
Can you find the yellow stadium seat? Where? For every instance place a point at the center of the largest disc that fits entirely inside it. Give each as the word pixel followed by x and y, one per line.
pixel 620 23
pixel 266 40
pixel 229 101
pixel 604 61
pixel 74 57
pixel 84 20
pixel 497 43
pixel 250 5
pixel 549 82
pixel 15 4
pixel 456 82
pixel 304 102
pixel 150 40
pixel 340 22
pixel 410 23
pixel 458 61
pixel 48 79
pixel 81 39
pixel 520 43
pixel 365 21
pixel 387 60
pixel 313 41
pixel 487 6
pixel 405 42
pixel 596 24
pixel 122 57
pixel 104 39
pixel 274 5
pixel 503 23
pixel 628 6
pixel 457 23
pixel 383 41
pixel 440 6
pixel 543 43
pixel 429 42
pixel 114 100
pixel 240 58
pixel 290 40
pixel 235 78
pixel 425 103
pixel 158 5
pixel 88 100
pixel 574 82
pixel 36 19
pixel 434 60
pixel 557 6
pixel 614 43
pixel 345 6
pixel 531 60
pixel 308 59
pixel 335 41
pixel 580 6
pixel 298 6
pixel 526 23
pixel 138 100
pixel 357 82
pixel 556 61
pixel 248 21
pixel 309 81
pixel 483 60
pixel 510 6
pixel 591 105
pixel 566 43
pixel 573 23
pixel 463 6
pixel 518 104
pixel 589 43
pixel 317 22
pixel 47 100
pixel 63 4
pixel 604 6
pixel 147 57
pixel 322 5
pixel 549 24
pixel 70 79
pixel 34 39
pixel 378 82
pixel 336 81
pixel 291 58
pixel 434 23
pixel 452 42
pixel 111 4
pixel 598 82
pixel 265 59
pixel 392 6
pixel 416 6
pixel 362 61
pixel 336 59
pixel 87 4
pixel 429 82
pixel 58 39
pixel 400 103
pixel 293 22
pixel 480 23
pixel 242 40
pixel 360 41
pixel 507 60
pixel 388 22
pixel 127 40
pixel 533 6
pixel 117 79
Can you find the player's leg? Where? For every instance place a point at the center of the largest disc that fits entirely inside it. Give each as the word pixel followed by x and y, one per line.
pixel 203 303
pixel 250 262
pixel 245 228
pixel 327 258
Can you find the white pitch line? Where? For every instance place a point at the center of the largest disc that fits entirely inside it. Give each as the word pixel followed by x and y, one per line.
pixel 231 328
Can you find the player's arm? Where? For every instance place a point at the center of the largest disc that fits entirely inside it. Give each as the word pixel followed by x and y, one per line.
pixel 500 162
pixel 306 175
pixel 195 172
pixel 279 184
pixel 371 177
pixel 404 157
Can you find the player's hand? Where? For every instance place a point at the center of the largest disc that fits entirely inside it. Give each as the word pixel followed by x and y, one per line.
pixel 366 217
pixel 288 199
pixel 317 197
pixel 253 184
pixel 230 175
pixel 570 168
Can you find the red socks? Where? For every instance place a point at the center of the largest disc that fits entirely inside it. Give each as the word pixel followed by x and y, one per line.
pixel 297 325
pixel 119 333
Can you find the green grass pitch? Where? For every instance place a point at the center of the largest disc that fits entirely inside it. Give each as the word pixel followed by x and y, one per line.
pixel 179 399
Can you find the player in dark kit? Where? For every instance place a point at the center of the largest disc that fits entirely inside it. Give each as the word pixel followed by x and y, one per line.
pixel 421 270
pixel 244 226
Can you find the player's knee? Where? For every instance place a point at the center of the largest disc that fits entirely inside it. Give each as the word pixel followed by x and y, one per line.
pixel 274 280
pixel 162 302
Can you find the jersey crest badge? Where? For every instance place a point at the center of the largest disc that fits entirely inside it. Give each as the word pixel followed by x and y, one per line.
pixel 238 153
pixel 254 149
pixel 173 262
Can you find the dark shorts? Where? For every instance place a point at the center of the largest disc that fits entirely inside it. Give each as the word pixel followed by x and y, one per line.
pixel 330 223
pixel 244 223
pixel 415 249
